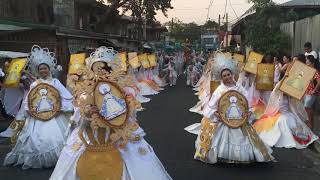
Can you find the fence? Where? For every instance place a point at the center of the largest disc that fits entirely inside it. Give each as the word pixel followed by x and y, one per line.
pixel 305 30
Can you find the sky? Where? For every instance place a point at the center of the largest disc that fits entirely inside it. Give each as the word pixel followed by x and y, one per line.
pixel 197 10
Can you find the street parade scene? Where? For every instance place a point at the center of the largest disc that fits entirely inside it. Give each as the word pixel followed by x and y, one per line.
pixel 159 90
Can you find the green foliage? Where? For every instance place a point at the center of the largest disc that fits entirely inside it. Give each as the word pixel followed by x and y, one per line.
pixel 211 25
pixel 261 3
pixel 181 31
pixel 142 8
pixel 263 33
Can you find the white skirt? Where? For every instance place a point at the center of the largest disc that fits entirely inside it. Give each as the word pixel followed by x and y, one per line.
pixel 145 89
pixel 136 166
pixel 196 108
pixel 142 99
pixel 159 81
pixel 231 145
pixel 9 132
pixel 289 132
pixel 39 143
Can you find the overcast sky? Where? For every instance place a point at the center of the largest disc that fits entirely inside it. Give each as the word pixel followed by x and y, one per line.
pixel 196 10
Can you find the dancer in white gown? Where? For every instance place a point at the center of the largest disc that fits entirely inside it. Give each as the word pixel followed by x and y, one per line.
pixel 41 141
pixel 204 89
pixel 139 90
pixel 144 87
pixel 282 124
pixel 217 141
pixel 88 152
pixel 156 78
pixel 11 99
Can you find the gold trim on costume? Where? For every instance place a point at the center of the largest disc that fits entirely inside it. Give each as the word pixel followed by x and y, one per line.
pixel 207 131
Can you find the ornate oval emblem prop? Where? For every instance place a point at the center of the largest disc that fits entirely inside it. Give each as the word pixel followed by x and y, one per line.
pixel 44 102
pixel 233 109
pixel 111 103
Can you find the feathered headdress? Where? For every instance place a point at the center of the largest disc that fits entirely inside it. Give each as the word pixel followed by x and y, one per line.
pixel 221 63
pixel 39 56
pixel 103 54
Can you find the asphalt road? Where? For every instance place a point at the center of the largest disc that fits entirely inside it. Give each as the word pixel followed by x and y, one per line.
pixel 164 121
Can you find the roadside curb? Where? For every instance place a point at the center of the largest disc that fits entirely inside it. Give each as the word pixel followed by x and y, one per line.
pixel 316 146
pixel 314 158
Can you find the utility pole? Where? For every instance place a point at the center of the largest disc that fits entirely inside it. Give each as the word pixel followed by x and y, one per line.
pixel 219 22
pixel 171 24
pixel 226 29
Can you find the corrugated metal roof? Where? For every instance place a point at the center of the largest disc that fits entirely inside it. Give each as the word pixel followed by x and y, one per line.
pixel 302 3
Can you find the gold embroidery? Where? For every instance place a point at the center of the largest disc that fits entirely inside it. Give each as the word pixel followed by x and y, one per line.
pixel 76 147
pixel 143 151
pixel 99 160
pixel 207 131
pixel 17 126
pixel 256 141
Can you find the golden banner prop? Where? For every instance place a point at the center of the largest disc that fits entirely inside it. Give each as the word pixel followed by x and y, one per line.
pixel 134 60
pixel 14 72
pixel 253 60
pixel 77 62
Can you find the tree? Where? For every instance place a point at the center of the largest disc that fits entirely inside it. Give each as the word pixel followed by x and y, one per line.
pixel 211 25
pixel 181 31
pixel 138 8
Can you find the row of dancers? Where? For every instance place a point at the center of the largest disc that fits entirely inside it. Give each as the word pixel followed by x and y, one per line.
pixel 275 120
pixel 88 130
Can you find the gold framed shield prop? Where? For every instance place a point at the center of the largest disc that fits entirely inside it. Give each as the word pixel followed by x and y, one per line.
pixel 233 109
pixel 265 77
pixel 44 102
pixel 253 60
pixel 112 104
pixel 296 84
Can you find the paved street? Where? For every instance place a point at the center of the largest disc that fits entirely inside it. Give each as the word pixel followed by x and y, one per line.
pixel 164 121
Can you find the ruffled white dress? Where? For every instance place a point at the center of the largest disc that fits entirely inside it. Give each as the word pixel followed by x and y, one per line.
pixel 156 78
pixel 136 165
pixel 228 144
pixel 40 142
pixel 204 95
pixel 145 89
pixel 283 123
pixel 11 99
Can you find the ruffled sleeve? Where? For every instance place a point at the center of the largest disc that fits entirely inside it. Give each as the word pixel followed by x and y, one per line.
pixel 212 105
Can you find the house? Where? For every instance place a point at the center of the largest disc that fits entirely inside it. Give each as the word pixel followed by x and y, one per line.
pixel 66 27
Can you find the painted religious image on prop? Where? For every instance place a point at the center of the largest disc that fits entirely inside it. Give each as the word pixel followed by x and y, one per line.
pixel 265 77
pixel 44 102
pixel 297 82
pixel 111 103
pixel 252 62
pixel 233 109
